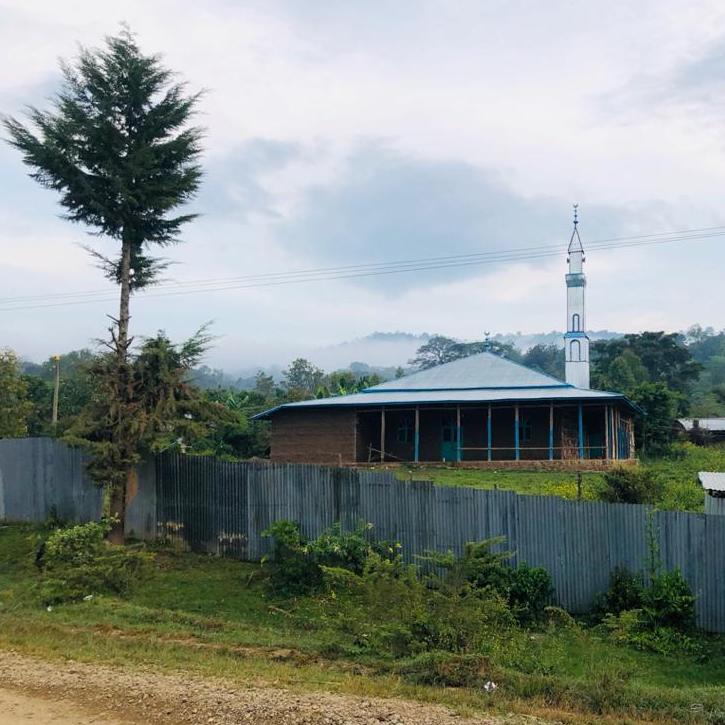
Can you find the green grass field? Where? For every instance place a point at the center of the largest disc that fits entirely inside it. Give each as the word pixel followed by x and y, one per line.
pixel 678 472
pixel 211 616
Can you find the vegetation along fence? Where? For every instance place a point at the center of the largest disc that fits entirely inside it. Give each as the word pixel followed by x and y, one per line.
pixel 220 507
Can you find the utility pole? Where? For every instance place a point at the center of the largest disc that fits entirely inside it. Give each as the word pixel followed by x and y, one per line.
pixel 56 390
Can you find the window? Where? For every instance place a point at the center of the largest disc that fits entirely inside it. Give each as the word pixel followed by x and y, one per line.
pixel 575 322
pixel 524 430
pixel 404 433
pixel 575 351
pixel 449 431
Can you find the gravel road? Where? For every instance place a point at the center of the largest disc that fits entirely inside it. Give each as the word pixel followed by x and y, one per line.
pixel 40 692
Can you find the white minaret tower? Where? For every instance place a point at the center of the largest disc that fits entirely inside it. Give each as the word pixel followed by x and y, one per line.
pixel 576 341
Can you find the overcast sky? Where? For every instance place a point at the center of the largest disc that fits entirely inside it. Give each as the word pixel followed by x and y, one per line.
pixel 350 132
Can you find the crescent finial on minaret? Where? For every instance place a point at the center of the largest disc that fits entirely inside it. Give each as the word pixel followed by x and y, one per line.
pixel 575 243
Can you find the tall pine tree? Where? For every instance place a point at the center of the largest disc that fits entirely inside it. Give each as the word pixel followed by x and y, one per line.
pixel 119 148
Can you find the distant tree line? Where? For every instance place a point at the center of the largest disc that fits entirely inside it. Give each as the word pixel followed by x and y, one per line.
pixel 668 375
pixel 172 410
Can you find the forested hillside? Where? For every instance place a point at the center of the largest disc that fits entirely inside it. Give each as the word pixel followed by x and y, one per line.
pixel 668 374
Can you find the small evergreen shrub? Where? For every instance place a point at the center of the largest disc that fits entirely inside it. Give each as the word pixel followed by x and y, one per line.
pixel 657 616
pixel 77 561
pixel 668 601
pixel 293 570
pixel 530 590
pixel 389 611
pixel 626 484
pixel 527 590
pixel 633 627
pixel 296 565
pixel 625 592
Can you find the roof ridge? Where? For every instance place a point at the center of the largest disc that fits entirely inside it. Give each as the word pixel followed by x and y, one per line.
pixel 480 379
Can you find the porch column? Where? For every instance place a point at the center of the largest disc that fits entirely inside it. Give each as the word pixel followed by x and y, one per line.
pixel 417 434
pixel 606 432
pixel 489 432
pixel 551 431
pixel 516 432
pixel 615 432
pixel 458 433
pixel 382 435
pixel 581 432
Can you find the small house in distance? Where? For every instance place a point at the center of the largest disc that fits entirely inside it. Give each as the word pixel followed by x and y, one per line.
pixel 703 430
pixel 477 410
pixel 713 484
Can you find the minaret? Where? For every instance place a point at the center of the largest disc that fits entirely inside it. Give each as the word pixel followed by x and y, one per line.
pixel 576 341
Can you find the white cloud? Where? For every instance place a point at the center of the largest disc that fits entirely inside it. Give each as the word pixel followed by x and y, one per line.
pixel 553 101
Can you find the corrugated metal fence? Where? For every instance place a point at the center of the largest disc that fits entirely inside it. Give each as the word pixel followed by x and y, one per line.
pixel 221 507
pixel 40 477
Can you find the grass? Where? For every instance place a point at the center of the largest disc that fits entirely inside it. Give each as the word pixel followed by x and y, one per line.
pixel 210 616
pixel 678 471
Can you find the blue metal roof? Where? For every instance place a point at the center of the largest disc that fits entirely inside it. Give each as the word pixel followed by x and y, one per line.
pixel 475 372
pixel 483 378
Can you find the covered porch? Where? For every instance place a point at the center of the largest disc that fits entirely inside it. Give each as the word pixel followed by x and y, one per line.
pixel 516 432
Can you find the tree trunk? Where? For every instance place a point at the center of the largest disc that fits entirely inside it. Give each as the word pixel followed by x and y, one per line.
pixel 124 392
pixel 124 315
pixel 117 510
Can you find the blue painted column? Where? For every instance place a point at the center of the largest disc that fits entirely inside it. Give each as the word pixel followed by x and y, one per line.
pixel 417 434
pixel 489 432
pixel 581 432
pixel 516 432
pixel 458 433
pixel 551 431
pixel 382 435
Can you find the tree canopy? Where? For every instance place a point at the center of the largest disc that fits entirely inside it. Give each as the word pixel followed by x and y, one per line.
pixel 118 148
pixel 15 408
pixel 440 349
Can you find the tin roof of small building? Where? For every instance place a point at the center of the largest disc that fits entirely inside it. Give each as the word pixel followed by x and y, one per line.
pixel 712 481
pixel 712 424
pixel 483 378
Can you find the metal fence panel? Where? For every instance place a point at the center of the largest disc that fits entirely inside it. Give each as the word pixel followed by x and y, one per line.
pixel 40 477
pixel 223 508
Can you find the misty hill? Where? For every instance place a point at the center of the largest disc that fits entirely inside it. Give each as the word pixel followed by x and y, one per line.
pixel 379 352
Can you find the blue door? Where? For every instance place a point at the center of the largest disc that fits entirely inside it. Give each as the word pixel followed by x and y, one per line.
pixel 449 440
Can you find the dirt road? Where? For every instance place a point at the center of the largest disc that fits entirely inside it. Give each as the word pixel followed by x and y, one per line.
pixel 79 694
pixel 18 709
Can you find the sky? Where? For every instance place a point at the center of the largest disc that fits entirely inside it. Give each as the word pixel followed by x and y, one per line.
pixel 343 133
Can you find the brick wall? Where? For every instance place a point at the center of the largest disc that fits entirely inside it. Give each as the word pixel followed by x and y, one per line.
pixel 313 436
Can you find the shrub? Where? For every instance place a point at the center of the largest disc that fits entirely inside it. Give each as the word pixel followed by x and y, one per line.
pixel 444 669
pixel 350 550
pixel 293 569
pixel 387 610
pixel 665 601
pixel 630 485
pixel 633 627
pixel 625 592
pixel 78 561
pixel 296 565
pixel 668 601
pixel 527 590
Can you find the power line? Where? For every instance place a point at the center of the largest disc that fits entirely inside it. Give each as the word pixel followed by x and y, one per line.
pixel 705 232
pixel 359 270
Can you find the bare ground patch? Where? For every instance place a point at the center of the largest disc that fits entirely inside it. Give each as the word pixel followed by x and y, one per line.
pixel 115 696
